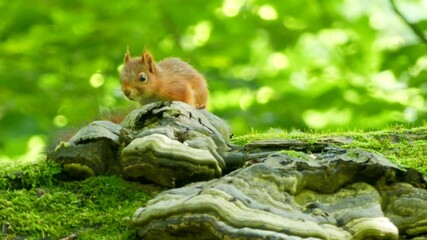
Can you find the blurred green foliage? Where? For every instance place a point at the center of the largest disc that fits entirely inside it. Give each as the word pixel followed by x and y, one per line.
pixel 270 64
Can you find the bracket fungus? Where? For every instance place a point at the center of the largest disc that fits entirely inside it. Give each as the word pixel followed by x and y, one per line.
pixel 168 143
pixel 338 195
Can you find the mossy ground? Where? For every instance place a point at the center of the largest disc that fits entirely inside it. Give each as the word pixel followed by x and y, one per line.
pixel 35 204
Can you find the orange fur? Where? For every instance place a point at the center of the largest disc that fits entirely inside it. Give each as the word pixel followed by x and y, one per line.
pixel 169 79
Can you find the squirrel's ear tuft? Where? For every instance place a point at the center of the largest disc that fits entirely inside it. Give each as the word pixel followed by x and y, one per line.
pixel 148 61
pixel 127 55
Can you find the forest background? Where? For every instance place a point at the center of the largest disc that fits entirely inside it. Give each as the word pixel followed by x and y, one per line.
pixel 278 65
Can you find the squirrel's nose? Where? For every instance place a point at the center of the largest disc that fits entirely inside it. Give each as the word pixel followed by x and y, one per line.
pixel 127 92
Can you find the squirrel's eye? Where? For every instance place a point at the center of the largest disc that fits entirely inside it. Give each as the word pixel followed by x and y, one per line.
pixel 142 77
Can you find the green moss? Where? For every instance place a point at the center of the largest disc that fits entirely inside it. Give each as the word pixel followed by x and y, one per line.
pixel 405 147
pixel 96 208
pixel 79 171
pixel 413 154
pixel 274 134
pixel 62 144
pixel 296 154
pixel 27 175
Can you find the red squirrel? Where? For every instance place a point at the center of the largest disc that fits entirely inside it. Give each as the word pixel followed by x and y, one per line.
pixel 145 81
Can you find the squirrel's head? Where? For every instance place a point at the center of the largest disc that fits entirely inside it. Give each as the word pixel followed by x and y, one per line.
pixel 138 76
